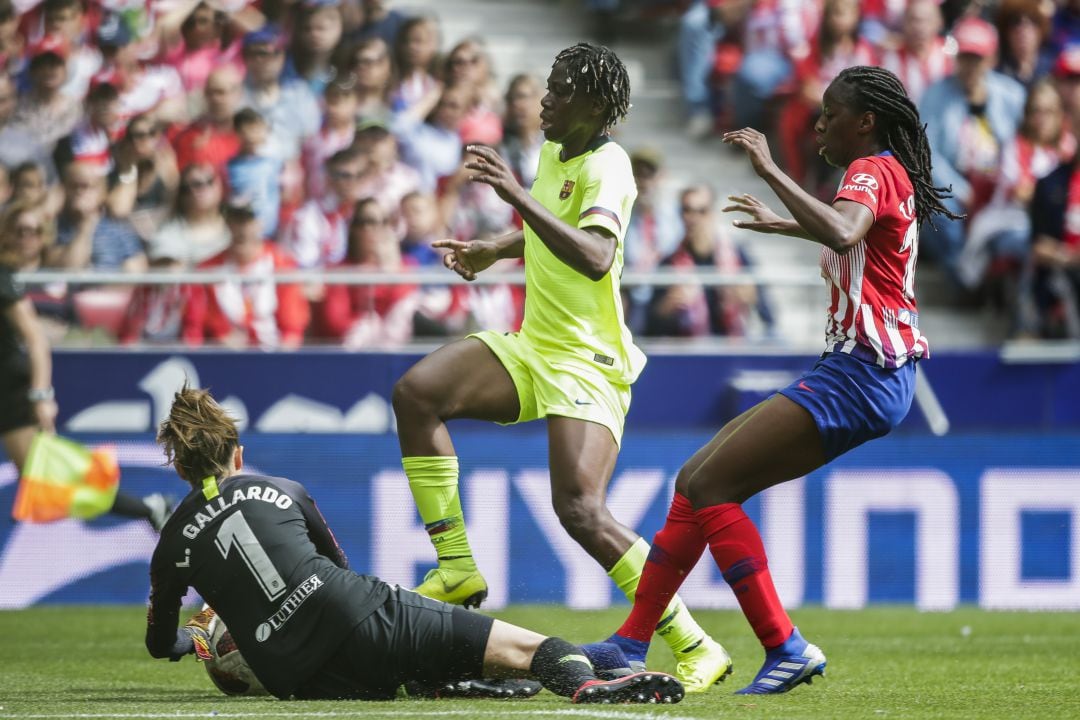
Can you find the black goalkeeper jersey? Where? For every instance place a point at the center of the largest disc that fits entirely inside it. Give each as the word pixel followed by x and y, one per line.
pixel 261 554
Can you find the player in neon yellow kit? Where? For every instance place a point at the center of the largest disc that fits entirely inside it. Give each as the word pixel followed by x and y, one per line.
pixel 573 361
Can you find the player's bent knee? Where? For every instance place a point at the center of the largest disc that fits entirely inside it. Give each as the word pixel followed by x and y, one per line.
pixel 412 396
pixel 581 516
pixel 705 490
pixel 682 481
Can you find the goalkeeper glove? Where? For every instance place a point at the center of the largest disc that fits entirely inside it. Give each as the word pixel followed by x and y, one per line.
pixel 198 628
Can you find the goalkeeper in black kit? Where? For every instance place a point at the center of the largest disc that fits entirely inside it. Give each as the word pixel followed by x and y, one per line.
pixel 259 552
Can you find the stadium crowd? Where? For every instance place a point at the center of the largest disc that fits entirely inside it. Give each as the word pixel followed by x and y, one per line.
pixel 996 81
pixel 253 136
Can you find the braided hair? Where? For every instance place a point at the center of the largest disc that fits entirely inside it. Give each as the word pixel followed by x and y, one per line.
pixel 876 90
pixel 599 73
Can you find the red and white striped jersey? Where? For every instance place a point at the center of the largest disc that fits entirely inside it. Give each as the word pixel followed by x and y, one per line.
pixel 917 73
pixel 822 70
pixel 318 233
pixel 150 88
pixel 784 25
pixel 314 152
pixel 889 13
pixel 872 310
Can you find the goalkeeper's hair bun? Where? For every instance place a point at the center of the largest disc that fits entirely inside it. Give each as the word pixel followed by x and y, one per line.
pixel 199 437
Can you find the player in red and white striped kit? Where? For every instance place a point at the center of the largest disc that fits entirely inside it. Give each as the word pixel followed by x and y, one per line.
pixel 872 311
pixel 861 387
pixel 922 59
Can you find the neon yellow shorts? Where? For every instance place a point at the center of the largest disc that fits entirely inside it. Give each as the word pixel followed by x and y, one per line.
pixel 562 385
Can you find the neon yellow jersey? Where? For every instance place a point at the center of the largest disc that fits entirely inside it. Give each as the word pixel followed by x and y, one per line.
pixel 566 312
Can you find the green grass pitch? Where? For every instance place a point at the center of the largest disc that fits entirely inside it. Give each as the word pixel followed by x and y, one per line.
pixel 883 663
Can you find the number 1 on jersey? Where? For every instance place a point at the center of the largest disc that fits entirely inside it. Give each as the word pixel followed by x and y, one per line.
pixel 234 531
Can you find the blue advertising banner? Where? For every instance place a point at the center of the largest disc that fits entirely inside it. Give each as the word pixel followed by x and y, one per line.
pixel 988 519
pixel 334 391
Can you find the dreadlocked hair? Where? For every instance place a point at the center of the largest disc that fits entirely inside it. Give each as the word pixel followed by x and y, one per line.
pixel 879 91
pixel 599 73
pixel 199 437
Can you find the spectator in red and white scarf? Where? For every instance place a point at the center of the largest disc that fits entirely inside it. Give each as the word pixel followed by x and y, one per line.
pixel 249 309
pixel 921 59
pixel 836 47
pixel 338 129
pixel 361 316
pixel 143 87
pixel 316 235
pixel 691 310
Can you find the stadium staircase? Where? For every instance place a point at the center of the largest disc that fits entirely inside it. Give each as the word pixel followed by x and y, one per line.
pixel 525 35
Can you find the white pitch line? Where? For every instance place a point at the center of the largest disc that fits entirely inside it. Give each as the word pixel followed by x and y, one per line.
pixel 574 712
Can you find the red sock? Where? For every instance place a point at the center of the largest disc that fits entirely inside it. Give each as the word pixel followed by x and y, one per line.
pixel 736 546
pixel 675 550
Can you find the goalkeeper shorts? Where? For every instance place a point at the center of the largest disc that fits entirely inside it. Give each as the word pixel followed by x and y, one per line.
pixel 409 638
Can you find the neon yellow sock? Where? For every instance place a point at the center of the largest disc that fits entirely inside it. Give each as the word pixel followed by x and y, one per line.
pixel 434 485
pixel 677 627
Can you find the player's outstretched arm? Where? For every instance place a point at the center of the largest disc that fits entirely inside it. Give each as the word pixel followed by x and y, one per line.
pixel 762 218
pixel 839 227
pixel 469 257
pixel 591 252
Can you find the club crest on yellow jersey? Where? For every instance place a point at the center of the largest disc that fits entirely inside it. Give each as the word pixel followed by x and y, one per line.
pixel 567 190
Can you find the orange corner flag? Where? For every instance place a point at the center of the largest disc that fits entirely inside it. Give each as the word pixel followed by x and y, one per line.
pixel 63 479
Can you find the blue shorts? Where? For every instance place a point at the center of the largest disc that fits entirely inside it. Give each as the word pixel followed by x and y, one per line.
pixel 853 401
